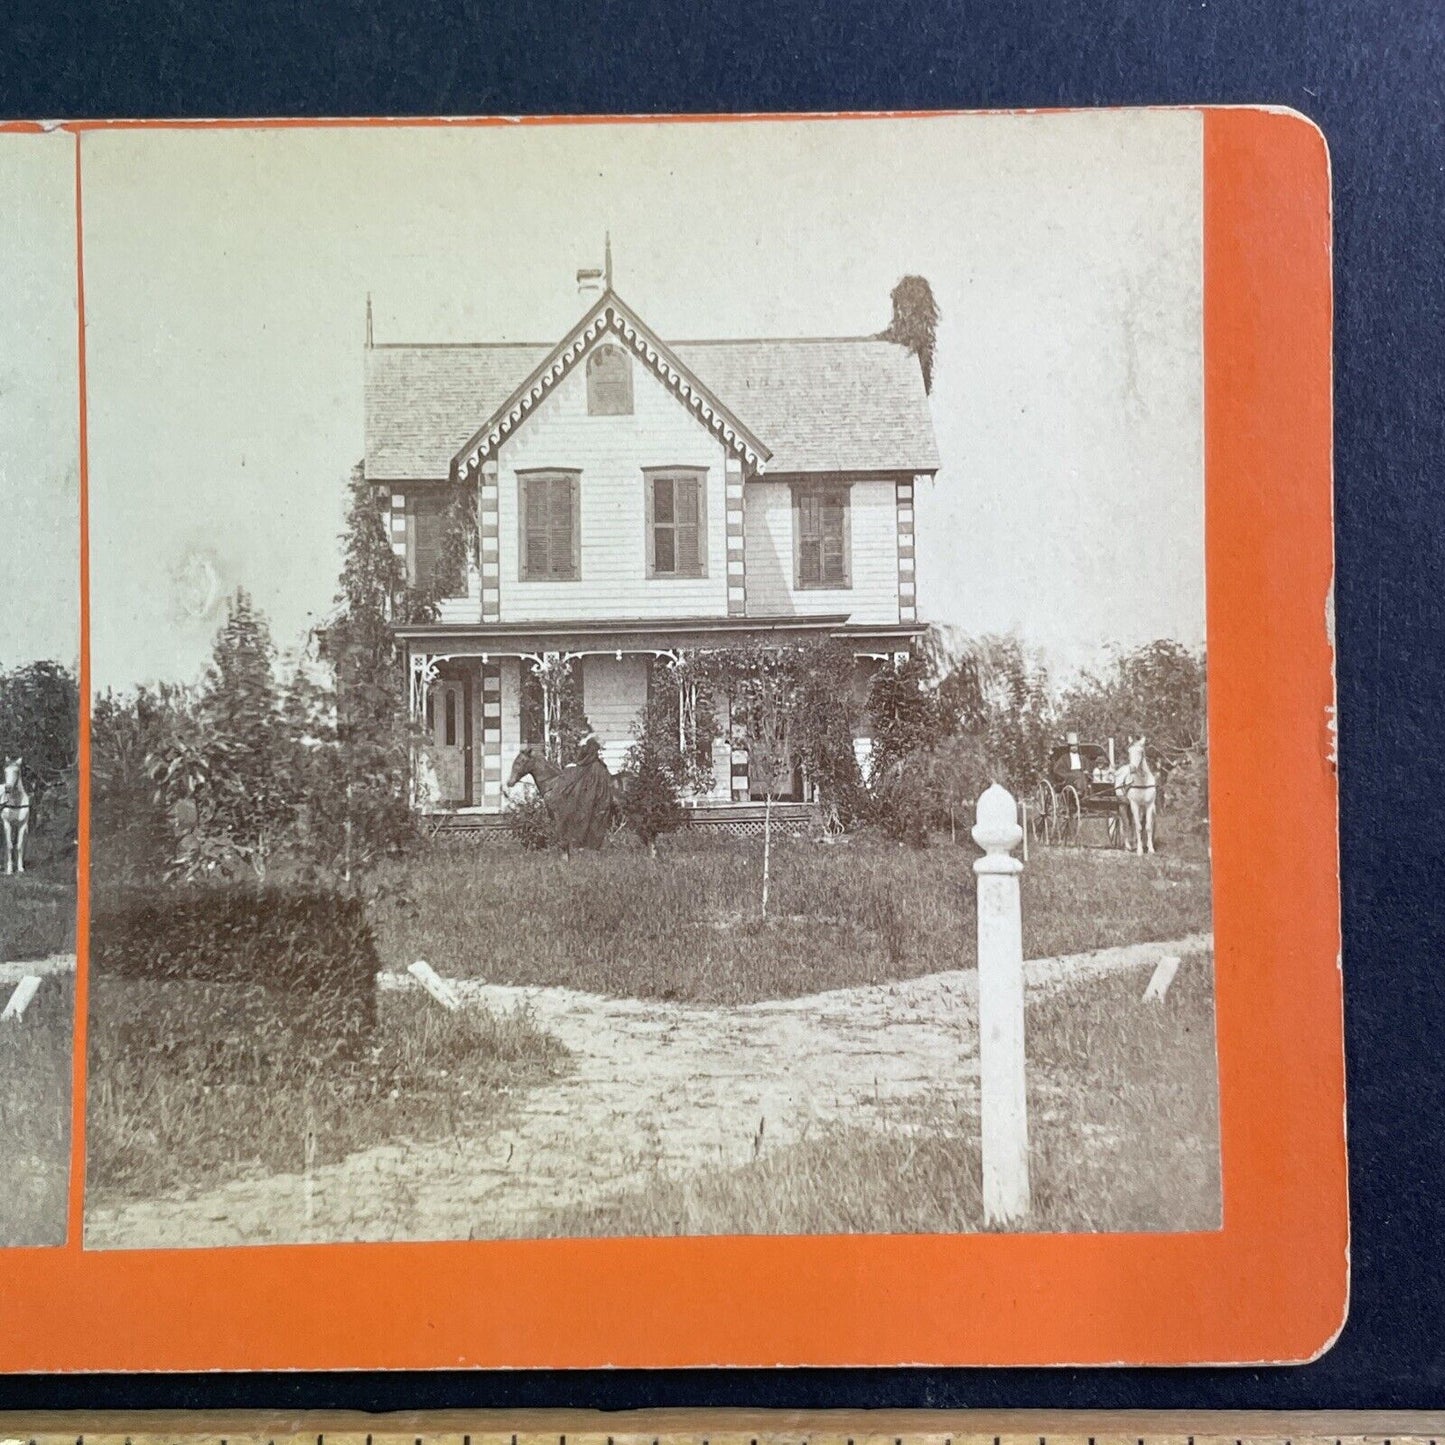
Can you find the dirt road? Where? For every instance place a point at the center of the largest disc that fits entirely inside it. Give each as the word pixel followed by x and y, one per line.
pixel 656 1088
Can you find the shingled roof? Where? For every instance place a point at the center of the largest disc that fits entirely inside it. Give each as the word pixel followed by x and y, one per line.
pixel 828 404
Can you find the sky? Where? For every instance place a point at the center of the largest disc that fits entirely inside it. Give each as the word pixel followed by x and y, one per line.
pixel 39 401
pixel 227 273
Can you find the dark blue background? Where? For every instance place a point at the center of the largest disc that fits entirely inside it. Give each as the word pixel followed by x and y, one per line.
pixel 1371 76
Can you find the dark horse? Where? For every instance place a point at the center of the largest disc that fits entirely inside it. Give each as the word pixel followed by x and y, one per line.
pixel 583 816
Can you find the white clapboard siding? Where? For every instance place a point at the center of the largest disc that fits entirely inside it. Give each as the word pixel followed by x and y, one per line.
pixel 610 453
pixel 768 522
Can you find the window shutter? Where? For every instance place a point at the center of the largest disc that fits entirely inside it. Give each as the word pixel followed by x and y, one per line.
pixel 810 543
pixel 834 550
pixel 685 505
pixel 535 491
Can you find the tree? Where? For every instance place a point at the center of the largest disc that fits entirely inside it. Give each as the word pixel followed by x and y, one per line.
pixel 357 805
pixel 40 723
pixel 915 322
pixel 825 712
pixel 1157 689
pixel 996 690
pixel 904 710
pixel 250 795
pixel 147 765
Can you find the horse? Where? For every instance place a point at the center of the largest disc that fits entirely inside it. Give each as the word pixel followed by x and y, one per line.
pixel 14 816
pixel 532 762
pixel 1137 789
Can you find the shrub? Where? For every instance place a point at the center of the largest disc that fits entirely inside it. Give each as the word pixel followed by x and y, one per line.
pixel 276 961
pixel 903 806
pixel 1185 794
pixel 529 821
pixel 650 796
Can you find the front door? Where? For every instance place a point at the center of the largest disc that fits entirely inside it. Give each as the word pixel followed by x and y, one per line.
pixel 450 726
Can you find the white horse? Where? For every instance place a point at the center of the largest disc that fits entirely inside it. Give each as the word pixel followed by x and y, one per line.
pixel 1136 788
pixel 14 816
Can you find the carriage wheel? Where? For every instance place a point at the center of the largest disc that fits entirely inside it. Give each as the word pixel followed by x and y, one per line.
pixel 1046 812
pixel 1071 814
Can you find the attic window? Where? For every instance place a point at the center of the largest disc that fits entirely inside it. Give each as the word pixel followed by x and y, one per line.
pixel 609 382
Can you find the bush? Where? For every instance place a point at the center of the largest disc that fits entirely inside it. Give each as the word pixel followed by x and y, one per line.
pixel 271 962
pixel 903 806
pixel 933 790
pixel 529 821
pixel 650 796
pixel 1185 793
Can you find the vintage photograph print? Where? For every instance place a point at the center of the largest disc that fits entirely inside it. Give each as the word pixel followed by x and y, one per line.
pixel 648 680
pixel 39 696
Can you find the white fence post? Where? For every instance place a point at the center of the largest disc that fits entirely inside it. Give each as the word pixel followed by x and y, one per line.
pixel 1003 1101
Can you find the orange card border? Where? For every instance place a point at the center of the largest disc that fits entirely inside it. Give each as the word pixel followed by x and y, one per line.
pixel 1270 1285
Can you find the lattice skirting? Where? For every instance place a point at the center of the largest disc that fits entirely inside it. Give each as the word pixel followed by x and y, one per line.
pixel 490 829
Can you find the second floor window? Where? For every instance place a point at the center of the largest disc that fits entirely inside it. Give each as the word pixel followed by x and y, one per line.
pixel 821 540
pixel 609 382
pixel 430 553
pixel 676 523
pixel 550 527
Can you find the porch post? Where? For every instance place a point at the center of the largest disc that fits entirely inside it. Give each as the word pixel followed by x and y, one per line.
pixel 491 735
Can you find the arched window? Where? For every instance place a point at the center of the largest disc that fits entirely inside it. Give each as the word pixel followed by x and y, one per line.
pixel 609 382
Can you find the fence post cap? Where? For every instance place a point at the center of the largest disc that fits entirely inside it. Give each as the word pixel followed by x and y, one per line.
pixel 997 831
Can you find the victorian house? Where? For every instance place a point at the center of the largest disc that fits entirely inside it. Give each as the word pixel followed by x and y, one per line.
pixel 638 498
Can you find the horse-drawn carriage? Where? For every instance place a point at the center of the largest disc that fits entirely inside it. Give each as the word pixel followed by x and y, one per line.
pixel 1082 782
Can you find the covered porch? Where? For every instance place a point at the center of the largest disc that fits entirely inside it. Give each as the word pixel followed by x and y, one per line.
pixel 477 694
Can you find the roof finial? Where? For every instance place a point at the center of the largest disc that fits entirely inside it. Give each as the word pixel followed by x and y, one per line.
pixel 607 259
pixel 369 342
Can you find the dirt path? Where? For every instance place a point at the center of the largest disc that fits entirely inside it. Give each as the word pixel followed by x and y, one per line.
pixel 656 1087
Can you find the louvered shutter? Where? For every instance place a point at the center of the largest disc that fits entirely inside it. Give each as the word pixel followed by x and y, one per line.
pixel 810 541
pixel 833 538
pixel 686 511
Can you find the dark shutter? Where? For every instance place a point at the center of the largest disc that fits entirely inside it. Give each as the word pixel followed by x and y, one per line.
pixel 427 527
pixel 685 507
pixel 677 525
pixel 834 544
pixel 560 528
pixel 822 528
pixel 549 526
pixel 810 541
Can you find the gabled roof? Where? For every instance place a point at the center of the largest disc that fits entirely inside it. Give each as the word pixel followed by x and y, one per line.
pixel 610 314
pixel 827 404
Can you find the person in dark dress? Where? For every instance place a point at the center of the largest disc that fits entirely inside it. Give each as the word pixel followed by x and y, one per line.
pixel 581 799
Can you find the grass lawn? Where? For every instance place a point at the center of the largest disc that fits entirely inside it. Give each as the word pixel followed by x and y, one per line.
pixel 1124 1137
pixel 686 926
pixel 35 1071
pixel 176 1106
pixel 37 911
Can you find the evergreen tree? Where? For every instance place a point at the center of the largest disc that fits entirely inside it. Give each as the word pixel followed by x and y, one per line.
pixel 365 812
pixel 915 322
pixel 250 796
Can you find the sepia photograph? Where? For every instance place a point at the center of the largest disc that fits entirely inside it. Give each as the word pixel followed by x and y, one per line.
pixel 647 679
pixel 39 696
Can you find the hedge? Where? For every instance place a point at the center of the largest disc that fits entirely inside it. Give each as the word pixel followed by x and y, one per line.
pixel 311 953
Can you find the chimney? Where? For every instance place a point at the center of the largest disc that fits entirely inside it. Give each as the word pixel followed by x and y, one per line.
pixel 593 280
